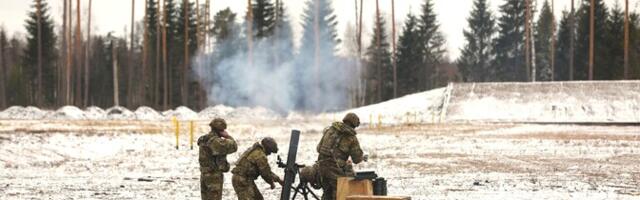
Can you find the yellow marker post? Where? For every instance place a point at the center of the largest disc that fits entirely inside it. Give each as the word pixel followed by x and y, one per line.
pixel 177 125
pixel 371 120
pixel 379 121
pixel 406 118
pixel 433 118
pixel 191 127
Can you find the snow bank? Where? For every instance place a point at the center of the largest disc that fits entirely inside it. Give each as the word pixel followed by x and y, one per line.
pixel 553 102
pixel 182 113
pixel 543 102
pixel 142 113
pixel 119 113
pixel 215 111
pixel 558 102
pixel 22 113
pixel 147 113
pixel 94 113
pixel 423 107
pixel 68 112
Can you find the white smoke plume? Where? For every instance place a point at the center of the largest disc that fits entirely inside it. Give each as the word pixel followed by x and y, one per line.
pixel 278 78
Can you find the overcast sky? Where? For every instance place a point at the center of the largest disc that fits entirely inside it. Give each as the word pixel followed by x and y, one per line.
pixel 115 15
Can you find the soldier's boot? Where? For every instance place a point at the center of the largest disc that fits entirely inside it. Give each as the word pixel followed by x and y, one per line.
pixel 211 186
pixel 245 189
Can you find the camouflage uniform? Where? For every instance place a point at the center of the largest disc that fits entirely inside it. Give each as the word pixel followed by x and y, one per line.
pixel 213 151
pixel 338 143
pixel 250 165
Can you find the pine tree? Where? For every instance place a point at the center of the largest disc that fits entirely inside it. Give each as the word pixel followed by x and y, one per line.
pixel 582 42
pixel 173 53
pixel 509 45
pixel 18 80
pixel 180 75
pixel 474 61
pixel 563 50
pixel 263 18
pixel 378 65
pixel 185 74
pixel 152 17
pixel 634 46
pixel 316 59
pixel 87 70
pixel 226 34
pixel 48 54
pixel 409 56
pixel 614 70
pixel 102 72
pixel 3 69
pixel 282 42
pixel 327 26
pixel 544 36
pixel 433 44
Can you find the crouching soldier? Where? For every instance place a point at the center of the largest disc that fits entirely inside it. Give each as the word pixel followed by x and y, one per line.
pixel 338 143
pixel 213 150
pixel 251 164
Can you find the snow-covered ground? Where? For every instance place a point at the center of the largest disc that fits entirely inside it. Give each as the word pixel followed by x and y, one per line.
pixel 431 145
pixel 556 102
pixel 140 114
pixel 543 102
pixel 423 107
pixel 423 161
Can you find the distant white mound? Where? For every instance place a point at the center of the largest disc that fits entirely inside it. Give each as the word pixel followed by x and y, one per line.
pixel 94 113
pixel 68 112
pixel 147 113
pixel 143 113
pixel 22 113
pixel 119 113
pixel 181 113
pixel 215 111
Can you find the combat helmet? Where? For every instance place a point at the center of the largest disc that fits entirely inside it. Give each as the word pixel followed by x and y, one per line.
pixel 352 120
pixel 218 124
pixel 269 145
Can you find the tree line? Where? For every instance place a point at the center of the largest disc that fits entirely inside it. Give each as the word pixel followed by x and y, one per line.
pixel 155 64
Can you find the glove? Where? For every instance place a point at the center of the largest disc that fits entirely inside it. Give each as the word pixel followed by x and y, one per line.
pixel 273 185
pixel 280 181
pixel 226 135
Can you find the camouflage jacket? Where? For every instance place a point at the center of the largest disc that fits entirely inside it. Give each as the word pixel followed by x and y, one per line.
pixel 338 143
pixel 254 163
pixel 213 151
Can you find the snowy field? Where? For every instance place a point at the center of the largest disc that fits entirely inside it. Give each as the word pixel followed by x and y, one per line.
pixel 429 145
pixel 110 159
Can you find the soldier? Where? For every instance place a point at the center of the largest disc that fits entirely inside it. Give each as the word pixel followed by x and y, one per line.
pixel 338 143
pixel 213 150
pixel 251 164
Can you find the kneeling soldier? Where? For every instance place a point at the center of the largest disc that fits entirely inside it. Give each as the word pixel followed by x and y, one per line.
pixel 214 148
pixel 338 144
pixel 251 164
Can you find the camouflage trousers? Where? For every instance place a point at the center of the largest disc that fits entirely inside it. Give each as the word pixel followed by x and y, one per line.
pixel 211 185
pixel 246 189
pixel 329 173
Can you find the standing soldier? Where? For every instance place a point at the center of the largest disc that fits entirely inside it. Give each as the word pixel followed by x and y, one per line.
pixel 214 148
pixel 251 164
pixel 338 143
